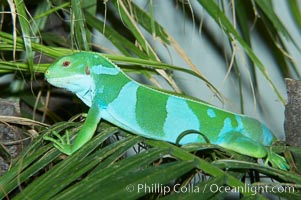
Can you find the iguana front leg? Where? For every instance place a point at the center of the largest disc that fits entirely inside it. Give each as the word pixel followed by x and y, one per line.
pixel 84 135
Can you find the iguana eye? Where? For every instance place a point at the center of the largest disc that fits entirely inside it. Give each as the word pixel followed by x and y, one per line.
pixel 66 63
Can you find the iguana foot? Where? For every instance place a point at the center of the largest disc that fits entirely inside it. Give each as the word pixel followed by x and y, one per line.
pixel 277 161
pixel 60 143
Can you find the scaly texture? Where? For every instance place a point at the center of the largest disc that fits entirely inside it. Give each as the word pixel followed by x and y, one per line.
pixel 115 97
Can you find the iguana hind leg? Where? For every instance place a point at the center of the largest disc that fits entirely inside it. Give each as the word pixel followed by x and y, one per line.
pixel 244 145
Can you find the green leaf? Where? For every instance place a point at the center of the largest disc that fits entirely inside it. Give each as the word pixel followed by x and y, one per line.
pixel 220 18
pixel 26 32
pixel 78 28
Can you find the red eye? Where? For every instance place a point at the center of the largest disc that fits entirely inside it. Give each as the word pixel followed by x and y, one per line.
pixel 66 63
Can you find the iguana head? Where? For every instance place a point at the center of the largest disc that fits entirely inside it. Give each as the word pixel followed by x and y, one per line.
pixel 72 72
